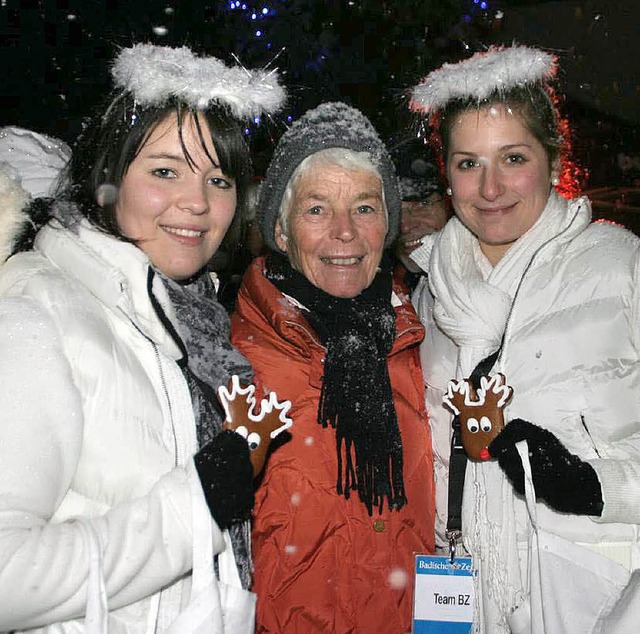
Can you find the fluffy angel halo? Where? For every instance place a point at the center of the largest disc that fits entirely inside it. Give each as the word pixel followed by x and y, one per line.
pixel 153 74
pixel 499 68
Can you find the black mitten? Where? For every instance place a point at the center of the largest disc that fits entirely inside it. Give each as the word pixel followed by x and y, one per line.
pixel 226 475
pixel 560 478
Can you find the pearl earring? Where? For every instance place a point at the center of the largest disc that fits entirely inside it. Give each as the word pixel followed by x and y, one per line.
pixel 449 192
pixel 555 181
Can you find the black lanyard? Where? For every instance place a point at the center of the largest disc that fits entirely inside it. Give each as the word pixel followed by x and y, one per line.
pixel 458 462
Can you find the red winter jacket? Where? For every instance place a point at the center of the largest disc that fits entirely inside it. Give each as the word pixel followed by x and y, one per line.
pixel 322 564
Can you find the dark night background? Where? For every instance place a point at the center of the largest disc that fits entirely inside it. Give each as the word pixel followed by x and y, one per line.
pixel 366 52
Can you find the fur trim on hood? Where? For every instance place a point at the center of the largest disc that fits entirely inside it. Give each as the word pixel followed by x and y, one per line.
pixel 14 200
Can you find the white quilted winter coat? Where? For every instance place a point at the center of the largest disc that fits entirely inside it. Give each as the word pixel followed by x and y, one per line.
pixel 97 435
pixel 572 354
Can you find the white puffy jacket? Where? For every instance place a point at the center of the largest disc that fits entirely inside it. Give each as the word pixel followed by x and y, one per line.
pixel 96 424
pixel 572 354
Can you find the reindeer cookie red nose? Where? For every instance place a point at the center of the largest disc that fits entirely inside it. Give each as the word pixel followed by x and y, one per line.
pixel 480 414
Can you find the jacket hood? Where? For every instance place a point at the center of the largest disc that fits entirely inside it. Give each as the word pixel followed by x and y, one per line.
pixel 37 158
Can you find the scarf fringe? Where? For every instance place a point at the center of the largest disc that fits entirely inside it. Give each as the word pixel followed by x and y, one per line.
pixel 374 480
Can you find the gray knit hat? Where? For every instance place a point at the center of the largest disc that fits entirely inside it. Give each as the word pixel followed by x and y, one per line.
pixel 329 125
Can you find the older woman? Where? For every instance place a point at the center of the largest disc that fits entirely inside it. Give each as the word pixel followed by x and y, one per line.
pixel 123 503
pixel 347 503
pixel 521 284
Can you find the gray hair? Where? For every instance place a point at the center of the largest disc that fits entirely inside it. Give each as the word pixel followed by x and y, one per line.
pixel 335 156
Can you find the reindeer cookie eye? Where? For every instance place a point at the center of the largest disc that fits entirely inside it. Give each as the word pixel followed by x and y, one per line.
pixel 254 440
pixel 242 430
pixel 485 424
pixel 472 425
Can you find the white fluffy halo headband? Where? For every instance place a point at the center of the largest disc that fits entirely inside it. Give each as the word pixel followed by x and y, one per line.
pixel 153 74
pixel 497 69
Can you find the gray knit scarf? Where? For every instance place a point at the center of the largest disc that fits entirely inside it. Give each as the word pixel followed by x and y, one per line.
pixel 209 360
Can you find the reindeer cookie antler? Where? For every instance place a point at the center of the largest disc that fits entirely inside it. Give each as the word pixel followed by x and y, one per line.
pixel 481 414
pixel 259 429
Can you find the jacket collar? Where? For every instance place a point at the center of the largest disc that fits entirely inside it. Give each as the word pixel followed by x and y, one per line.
pixel 573 219
pixel 288 320
pixel 115 272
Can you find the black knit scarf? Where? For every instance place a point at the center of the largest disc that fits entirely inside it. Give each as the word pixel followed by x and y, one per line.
pixel 356 398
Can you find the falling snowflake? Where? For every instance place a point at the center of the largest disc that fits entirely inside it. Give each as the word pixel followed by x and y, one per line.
pixel 398 579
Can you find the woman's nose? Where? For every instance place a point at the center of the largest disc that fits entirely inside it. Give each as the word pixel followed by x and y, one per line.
pixel 194 200
pixel 491 185
pixel 343 226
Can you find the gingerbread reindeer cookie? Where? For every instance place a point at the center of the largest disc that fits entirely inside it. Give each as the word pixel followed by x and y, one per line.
pixel 481 413
pixel 259 429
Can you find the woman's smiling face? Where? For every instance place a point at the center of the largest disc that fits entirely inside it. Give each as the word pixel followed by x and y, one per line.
pixel 176 212
pixel 499 175
pixel 336 229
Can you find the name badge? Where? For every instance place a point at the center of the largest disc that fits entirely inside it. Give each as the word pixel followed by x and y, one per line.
pixel 442 595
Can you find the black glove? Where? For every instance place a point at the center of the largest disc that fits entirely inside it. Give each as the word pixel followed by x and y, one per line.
pixel 560 478
pixel 226 475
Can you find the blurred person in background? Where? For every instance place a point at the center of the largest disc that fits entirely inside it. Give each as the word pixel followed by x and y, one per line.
pixel 424 209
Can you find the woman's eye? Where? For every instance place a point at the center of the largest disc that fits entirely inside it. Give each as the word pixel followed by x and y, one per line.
pixel 466 164
pixel 516 159
pixel 221 183
pixel 163 172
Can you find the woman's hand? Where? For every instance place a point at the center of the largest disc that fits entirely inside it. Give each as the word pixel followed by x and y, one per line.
pixel 564 481
pixel 226 475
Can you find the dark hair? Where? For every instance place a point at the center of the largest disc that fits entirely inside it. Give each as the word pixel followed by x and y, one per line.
pixel 111 141
pixel 531 102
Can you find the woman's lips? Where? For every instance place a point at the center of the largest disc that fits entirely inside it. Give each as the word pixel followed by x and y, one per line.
pixel 342 261
pixel 185 235
pixel 503 209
